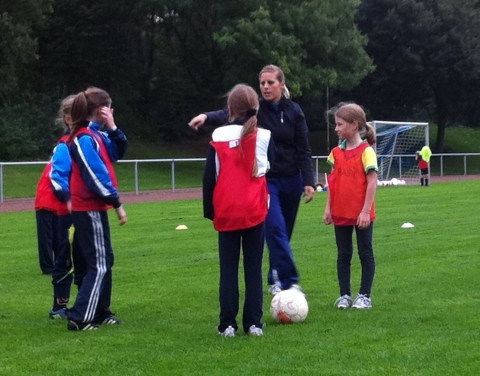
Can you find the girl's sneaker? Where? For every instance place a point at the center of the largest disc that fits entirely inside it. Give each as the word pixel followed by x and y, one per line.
pixel 255 331
pixel 344 302
pixel 274 289
pixel 362 302
pixel 229 332
pixel 60 313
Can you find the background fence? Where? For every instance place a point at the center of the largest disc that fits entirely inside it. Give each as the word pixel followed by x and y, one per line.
pixel 19 179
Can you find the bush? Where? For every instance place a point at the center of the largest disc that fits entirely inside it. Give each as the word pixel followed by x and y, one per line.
pixel 28 131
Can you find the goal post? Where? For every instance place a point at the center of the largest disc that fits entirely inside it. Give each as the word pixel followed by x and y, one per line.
pixel 396 145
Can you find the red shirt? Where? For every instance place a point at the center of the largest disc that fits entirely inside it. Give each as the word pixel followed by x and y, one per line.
pixel 83 199
pixel 45 199
pixel 422 164
pixel 240 200
pixel 347 185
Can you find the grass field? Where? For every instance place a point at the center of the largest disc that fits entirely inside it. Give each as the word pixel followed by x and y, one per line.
pixel 21 181
pixel 424 319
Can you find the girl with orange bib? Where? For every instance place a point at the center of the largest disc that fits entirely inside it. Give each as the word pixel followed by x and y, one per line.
pixel 350 205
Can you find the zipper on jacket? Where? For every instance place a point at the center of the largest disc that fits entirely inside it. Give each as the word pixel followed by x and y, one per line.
pixel 281 117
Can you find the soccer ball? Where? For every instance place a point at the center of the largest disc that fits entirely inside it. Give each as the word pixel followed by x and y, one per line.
pixel 289 306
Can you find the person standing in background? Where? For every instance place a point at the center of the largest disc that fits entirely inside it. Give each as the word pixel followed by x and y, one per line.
pixel 423 158
pixel 290 176
pixel 52 208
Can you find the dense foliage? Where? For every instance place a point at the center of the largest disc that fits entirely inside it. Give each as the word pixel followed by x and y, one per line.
pixel 164 61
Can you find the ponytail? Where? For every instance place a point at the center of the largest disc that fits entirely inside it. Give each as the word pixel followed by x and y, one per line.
pixel 248 128
pixel 84 106
pixel 243 102
pixel 78 113
pixel 368 133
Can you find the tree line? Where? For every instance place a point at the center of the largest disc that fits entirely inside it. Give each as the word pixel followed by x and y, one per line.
pixel 165 61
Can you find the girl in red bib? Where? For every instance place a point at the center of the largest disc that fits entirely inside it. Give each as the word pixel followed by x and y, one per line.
pixel 235 197
pixel 95 143
pixel 350 205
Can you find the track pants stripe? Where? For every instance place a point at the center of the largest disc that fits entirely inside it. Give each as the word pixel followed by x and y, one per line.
pixel 100 251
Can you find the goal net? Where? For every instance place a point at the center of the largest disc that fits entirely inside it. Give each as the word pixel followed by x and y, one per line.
pixel 396 145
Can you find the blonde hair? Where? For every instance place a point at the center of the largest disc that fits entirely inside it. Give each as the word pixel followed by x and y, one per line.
pixel 352 112
pixel 278 74
pixel 64 110
pixel 243 102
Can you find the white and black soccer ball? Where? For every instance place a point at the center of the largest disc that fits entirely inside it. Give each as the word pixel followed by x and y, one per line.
pixel 289 306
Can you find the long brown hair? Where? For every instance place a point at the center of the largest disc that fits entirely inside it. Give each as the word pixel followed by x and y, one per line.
pixel 352 112
pixel 84 106
pixel 243 103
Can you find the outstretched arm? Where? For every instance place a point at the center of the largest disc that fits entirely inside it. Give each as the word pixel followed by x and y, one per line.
pixel 219 117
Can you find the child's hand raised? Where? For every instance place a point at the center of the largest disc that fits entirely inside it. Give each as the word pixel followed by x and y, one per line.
pixel 106 113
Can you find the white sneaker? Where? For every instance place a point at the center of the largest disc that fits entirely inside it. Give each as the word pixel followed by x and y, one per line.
pixel 229 332
pixel 344 301
pixel 296 287
pixel 255 331
pixel 274 289
pixel 362 302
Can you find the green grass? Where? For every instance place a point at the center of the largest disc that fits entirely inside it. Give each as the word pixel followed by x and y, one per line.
pixel 424 319
pixel 21 181
pixel 458 140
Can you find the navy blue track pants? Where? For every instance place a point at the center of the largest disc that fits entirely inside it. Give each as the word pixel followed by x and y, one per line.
pixel 285 196
pixel 96 255
pixel 54 247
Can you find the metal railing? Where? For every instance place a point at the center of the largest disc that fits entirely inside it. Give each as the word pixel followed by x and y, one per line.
pixel 437 163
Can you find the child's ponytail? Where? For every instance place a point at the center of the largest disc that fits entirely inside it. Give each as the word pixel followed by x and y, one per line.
pixel 84 105
pixel 369 134
pixel 78 113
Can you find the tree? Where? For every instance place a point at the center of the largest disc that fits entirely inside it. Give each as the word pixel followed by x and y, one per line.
pixel 165 60
pixel 20 23
pixel 316 43
pixel 427 57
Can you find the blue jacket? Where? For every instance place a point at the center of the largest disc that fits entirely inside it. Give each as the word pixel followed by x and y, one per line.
pixel 85 153
pixel 290 135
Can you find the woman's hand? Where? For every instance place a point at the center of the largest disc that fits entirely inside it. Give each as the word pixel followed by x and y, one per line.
pixel 197 121
pixel 309 193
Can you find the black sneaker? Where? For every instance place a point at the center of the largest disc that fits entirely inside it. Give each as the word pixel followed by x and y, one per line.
pixel 112 320
pixel 77 326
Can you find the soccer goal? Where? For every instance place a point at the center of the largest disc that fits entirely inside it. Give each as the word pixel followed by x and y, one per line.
pixel 396 145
